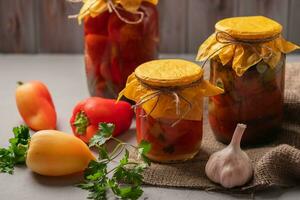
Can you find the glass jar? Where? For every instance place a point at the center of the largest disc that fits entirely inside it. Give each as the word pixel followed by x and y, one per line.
pixel 247 60
pixel 255 99
pixel 114 47
pixel 169 99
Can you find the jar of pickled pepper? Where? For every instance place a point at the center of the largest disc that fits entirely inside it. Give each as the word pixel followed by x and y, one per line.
pixel 119 36
pixel 169 98
pixel 247 60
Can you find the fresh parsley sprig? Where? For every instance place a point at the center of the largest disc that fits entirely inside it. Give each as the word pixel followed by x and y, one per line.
pixel 125 179
pixel 16 152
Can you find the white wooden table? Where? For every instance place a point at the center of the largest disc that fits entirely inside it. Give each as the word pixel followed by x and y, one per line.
pixel 65 77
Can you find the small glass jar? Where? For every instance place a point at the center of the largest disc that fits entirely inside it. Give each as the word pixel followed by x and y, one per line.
pixel 114 47
pixel 255 99
pixel 247 60
pixel 169 99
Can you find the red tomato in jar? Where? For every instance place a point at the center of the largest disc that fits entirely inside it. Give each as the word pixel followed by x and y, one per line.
pixel 100 87
pixel 172 134
pixel 156 144
pixel 262 105
pixel 92 71
pixel 146 130
pixel 249 84
pixel 226 112
pixel 221 100
pixel 151 19
pixel 89 66
pixel 223 129
pixel 114 26
pixel 115 72
pixel 127 69
pixel 129 37
pixel 96 47
pixel 134 44
pixel 105 71
pixel 189 141
pixel 97 25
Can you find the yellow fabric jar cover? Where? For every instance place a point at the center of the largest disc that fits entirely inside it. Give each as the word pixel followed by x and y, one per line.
pixel 156 82
pixel 246 41
pixel 95 7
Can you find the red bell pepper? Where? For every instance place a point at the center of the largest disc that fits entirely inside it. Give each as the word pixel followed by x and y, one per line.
pixel 88 113
pixel 35 105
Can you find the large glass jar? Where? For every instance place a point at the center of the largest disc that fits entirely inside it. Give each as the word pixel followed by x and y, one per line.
pixel 255 99
pixel 169 99
pixel 247 59
pixel 114 47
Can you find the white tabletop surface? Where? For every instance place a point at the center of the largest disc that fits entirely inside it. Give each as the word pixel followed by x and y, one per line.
pixel 65 78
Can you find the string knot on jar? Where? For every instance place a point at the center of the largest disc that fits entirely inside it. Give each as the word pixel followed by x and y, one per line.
pixel 171 90
pixel 227 39
pixel 96 7
pixel 242 42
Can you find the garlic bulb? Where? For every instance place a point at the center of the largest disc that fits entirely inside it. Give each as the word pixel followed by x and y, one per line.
pixel 231 166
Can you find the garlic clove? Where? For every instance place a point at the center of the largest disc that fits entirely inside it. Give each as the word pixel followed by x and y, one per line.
pixel 231 166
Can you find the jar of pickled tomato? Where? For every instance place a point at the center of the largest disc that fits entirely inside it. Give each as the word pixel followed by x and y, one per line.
pixel 118 37
pixel 248 62
pixel 169 98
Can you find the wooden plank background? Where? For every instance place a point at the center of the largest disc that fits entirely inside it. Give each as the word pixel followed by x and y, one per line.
pixel 42 26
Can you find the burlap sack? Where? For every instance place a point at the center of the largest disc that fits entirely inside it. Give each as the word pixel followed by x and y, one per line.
pixel 275 164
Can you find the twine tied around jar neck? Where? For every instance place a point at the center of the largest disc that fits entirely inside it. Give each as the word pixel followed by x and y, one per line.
pixel 227 39
pixel 169 90
pixel 112 8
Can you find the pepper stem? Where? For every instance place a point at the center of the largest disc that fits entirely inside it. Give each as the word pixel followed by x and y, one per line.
pixel 237 135
pixel 81 122
pixel 20 83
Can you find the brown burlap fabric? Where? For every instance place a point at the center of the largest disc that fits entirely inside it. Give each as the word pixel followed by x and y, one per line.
pixel 275 164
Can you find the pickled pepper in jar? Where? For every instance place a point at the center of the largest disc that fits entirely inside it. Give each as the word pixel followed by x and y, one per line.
pixel 169 98
pixel 118 36
pixel 247 60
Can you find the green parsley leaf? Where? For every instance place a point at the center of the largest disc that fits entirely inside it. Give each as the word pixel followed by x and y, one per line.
pixel 95 180
pixel 103 154
pixel 124 160
pixel 106 129
pixel 95 170
pixel 129 192
pixel 6 161
pixel 129 181
pixel 128 175
pixel 22 135
pixel 143 149
pixel 126 178
pixel 104 134
pixel 16 152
